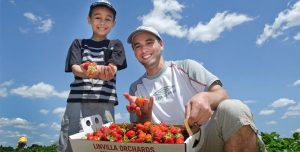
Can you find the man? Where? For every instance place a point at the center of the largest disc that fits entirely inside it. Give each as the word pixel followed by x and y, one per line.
pixel 184 89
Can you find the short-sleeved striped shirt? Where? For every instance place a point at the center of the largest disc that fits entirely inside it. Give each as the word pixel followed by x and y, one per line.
pixel 103 53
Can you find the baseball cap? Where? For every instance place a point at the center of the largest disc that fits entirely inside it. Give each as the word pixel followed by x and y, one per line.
pixel 143 29
pixel 102 3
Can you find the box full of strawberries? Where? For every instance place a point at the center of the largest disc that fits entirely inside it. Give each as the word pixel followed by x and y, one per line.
pixel 134 137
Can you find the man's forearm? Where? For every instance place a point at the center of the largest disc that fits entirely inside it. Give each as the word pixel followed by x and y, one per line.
pixel 216 95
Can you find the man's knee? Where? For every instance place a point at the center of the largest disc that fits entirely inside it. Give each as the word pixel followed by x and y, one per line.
pixel 244 140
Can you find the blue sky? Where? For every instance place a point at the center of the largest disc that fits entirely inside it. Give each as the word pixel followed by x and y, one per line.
pixel 252 46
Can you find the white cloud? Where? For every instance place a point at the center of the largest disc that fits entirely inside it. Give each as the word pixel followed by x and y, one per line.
pixel 15 122
pixel 63 94
pixel 44 111
pixel 6 83
pixel 213 29
pixel 118 116
pixel 295 108
pixel 45 135
pixel 282 102
pixel 271 123
pixel 286 19
pixel 11 134
pixel 3 92
pixel 40 90
pixel 23 30
pixel 290 114
pixel 297 37
pixel 249 101
pixel 42 24
pixel 3 88
pixel 169 11
pixel 59 111
pixel 13 2
pixel 266 112
pixel 55 126
pixel 43 125
pixel 297 130
pixel 296 83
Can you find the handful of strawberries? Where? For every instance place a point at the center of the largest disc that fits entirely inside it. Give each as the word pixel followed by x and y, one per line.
pixel 140 133
pixel 137 105
pixel 90 67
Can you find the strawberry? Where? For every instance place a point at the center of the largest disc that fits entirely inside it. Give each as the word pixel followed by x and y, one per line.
pixel 138 111
pixel 148 138
pixel 140 126
pixel 139 140
pixel 140 101
pixel 174 130
pixel 92 69
pixel 130 134
pixel 147 125
pixel 86 64
pixel 168 138
pixel 179 141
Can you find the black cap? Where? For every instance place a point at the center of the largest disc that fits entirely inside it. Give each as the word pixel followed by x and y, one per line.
pixel 102 3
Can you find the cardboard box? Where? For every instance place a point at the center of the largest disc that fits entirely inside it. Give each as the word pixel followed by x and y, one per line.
pixel 191 144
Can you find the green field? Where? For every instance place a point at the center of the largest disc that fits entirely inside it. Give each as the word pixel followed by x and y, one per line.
pixel 273 141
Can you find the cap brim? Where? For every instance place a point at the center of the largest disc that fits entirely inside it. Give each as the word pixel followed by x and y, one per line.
pixel 131 36
pixel 107 6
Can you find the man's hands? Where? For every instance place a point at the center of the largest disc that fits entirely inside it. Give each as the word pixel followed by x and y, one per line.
pixel 198 109
pixel 142 106
pixel 92 70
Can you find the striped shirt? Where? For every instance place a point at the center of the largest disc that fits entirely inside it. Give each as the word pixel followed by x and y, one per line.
pixel 103 53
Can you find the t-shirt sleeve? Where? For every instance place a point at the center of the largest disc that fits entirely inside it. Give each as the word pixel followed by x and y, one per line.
pixel 74 55
pixel 198 74
pixel 118 54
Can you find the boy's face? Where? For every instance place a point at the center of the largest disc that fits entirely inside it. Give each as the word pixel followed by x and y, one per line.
pixel 102 21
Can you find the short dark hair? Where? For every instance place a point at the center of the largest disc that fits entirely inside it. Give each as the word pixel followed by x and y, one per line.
pixel 103 4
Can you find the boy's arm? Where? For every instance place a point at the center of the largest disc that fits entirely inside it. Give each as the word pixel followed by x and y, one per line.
pixel 78 71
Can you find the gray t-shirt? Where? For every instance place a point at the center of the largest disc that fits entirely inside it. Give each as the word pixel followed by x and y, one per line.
pixel 171 88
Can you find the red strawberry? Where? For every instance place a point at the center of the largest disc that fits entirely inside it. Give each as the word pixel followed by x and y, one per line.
pixel 128 107
pixel 92 69
pixel 140 101
pixel 179 141
pixel 174 130
pixel 168 138
pixel 86 64
pixel 138 111
pixel 140 140
pixel 148 138
pixel 130 134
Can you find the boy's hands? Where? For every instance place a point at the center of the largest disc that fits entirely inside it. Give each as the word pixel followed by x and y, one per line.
pixel 92 70
pixel 141 105
pixel 89 69
pixel 106 72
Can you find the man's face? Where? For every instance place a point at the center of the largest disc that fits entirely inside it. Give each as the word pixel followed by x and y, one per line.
pixel 147 49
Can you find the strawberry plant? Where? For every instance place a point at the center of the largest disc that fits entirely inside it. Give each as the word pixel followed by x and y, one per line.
pixel 275 143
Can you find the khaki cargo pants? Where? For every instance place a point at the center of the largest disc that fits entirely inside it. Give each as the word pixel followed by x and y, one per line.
pixel 229 117
pixel 71 120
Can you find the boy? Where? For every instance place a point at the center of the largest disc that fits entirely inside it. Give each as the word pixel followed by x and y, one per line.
pixel 96 93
